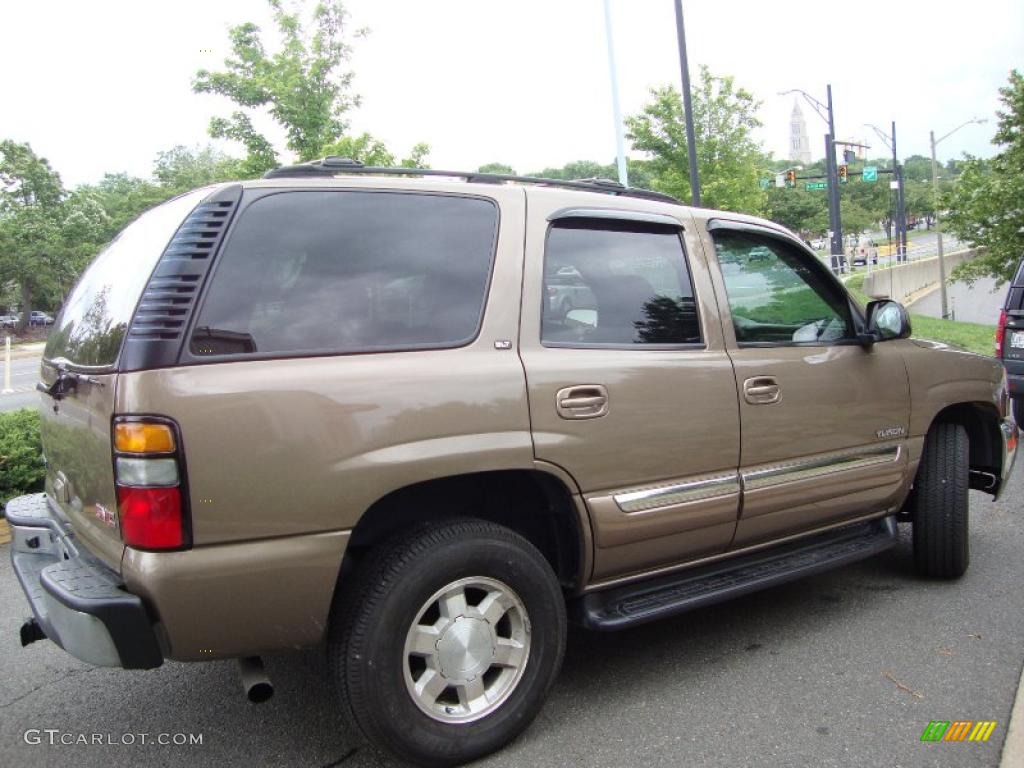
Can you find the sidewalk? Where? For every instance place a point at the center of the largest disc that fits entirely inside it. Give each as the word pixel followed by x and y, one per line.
pixel 22 351
pixel 1013 747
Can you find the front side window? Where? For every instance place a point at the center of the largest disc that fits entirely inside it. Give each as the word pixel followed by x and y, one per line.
pixel 612 282
pixel 344 271
pixel 776 295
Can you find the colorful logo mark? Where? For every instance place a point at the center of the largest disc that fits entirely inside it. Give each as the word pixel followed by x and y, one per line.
pixel 958 730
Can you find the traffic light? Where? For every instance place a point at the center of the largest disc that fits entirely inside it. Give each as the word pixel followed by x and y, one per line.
pixel 791 178
pixel 844 174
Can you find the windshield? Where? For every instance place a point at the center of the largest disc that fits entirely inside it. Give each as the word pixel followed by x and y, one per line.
pixel 89 331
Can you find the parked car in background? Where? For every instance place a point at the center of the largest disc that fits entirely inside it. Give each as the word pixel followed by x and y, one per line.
pixel 8 321
pixel 864 252
pixel 40 318
pixel 1010 341
pixel 567 291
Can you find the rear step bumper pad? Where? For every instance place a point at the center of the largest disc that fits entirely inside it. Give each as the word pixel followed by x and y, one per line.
pixel 645 601
pixel 78 602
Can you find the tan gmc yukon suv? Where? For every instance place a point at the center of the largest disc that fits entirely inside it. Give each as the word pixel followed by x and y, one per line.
pixel 423 419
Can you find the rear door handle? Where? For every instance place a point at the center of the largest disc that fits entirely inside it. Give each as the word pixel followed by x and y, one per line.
pixel 762 390
pixel 583 401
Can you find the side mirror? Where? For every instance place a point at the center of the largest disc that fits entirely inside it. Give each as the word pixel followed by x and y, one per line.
pixel 886 320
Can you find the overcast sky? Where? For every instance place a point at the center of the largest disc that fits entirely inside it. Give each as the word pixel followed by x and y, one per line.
pixel 104 85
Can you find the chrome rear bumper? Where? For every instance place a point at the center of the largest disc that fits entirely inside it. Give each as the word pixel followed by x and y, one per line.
pixel 1010 434
pixel 78 602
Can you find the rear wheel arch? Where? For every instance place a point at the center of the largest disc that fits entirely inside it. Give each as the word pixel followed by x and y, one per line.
pixel 536 504
pixel 982 423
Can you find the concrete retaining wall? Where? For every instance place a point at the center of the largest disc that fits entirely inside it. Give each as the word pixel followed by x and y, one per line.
pixel 901 282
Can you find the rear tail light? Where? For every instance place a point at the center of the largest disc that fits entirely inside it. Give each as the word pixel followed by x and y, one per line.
pixel 151 517
pixel 148 474
pixel 1000 333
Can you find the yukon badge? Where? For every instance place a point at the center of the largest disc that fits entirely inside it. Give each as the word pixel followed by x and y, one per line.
pixel 888 432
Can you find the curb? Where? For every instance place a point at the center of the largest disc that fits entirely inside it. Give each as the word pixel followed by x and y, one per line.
pixel 22 351
pixel 1013 746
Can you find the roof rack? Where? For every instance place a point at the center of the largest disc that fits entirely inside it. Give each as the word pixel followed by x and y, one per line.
pixel 333 165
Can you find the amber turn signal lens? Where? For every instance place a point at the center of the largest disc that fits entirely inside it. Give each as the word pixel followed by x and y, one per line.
pixel 138 437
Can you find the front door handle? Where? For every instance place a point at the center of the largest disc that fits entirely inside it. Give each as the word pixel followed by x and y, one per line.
pixel 762 390
pixel 583 401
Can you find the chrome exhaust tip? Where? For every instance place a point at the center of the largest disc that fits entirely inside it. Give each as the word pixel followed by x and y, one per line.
pixel 255 683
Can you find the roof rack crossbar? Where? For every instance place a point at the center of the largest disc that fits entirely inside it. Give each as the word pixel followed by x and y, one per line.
pixel 331 166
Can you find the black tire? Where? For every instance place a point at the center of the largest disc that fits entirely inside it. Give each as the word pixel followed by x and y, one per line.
pixel 373 616
pixel 940 515
pixel 1018 410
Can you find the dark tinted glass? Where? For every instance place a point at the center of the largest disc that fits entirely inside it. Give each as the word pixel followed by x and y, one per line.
pixel 776 293
pixel 611 282
pixel 340 271
pixel 92 324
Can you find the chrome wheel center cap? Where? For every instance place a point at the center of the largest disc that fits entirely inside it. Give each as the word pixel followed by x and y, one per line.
pixel 466 649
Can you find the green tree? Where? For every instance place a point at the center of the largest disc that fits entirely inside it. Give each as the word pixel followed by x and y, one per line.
pixel 123 198
pixel 728 158
pixel 372 151
pixel 986 207
pixel 797 209
pixel 302 85
pixel 31 217
pixel 498 168
pixel 181 168
pixel 639 172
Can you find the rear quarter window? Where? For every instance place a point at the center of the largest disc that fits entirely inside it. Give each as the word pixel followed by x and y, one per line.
pixel 91 327
pixel 328 272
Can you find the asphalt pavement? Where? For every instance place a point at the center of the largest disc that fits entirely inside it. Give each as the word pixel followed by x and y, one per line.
pixel 841 669
pixel 24 375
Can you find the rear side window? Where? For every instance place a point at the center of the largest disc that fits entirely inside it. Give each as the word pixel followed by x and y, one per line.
pixel 341 271
pixel 616 283
pixel 93 322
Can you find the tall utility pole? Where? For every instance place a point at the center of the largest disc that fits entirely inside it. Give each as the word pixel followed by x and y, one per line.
pixel 620 142
pixel 938 220
pixel 833 189
pixel 901 210
pixel 831 171
pixel 691 142
pixel 901 203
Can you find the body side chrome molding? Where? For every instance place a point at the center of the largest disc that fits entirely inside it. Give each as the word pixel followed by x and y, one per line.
pixel 822 465
pixel 680 493
pixel 647 499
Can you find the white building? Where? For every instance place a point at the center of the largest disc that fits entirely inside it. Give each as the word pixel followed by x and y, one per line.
pixel 799 143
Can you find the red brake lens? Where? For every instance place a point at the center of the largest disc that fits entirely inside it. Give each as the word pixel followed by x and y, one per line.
pixel 151 517
pixel 1000 333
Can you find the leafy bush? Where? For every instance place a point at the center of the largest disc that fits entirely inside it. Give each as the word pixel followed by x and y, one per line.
pixel 21 454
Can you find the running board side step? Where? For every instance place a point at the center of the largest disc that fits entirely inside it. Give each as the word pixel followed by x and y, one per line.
pixel 626 606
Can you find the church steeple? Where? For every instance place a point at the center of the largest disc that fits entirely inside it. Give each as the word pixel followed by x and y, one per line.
pixel 799 143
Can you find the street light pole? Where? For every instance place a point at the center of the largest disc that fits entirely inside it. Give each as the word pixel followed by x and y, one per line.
pixel 938 219
pixel 691 142
pixel 901 203
pixel 901 211
pixel 833 188
pixel 938 229
pixel 620 143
